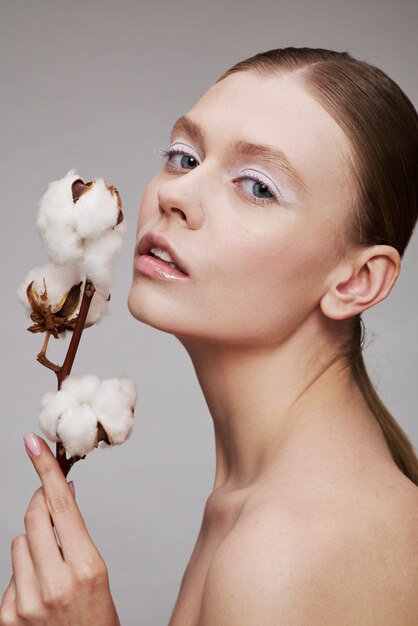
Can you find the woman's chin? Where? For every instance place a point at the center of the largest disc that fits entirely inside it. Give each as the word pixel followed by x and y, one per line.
pixel 140 309
pixel 146 310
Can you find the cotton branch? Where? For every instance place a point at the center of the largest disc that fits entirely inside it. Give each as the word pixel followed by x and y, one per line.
pixel 81 226
pixel 65 369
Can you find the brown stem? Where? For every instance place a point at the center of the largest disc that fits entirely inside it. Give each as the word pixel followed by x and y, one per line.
pixel 65 369
pixel 47 363
pixel 41 356
pixel 64 463
pixel 45 344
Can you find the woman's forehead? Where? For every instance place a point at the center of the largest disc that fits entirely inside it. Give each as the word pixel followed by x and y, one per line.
pixel 276 111
pixel 268 105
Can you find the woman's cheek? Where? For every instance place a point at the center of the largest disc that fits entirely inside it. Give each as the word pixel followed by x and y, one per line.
pixel 150 194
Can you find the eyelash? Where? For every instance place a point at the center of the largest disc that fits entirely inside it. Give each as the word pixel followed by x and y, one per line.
pixel 167 153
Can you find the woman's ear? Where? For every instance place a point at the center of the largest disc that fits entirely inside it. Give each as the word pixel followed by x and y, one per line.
pixel 361 282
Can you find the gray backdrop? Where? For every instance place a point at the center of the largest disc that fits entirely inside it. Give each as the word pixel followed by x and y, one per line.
pixel 96 86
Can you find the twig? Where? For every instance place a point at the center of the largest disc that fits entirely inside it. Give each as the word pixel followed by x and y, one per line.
pixel 46 341
pixel 65 369
pixel 47 363
pixel 89 289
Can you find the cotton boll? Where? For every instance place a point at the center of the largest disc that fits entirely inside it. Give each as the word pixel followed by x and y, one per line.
pixel 52 297
pixel 71 415
pixel 113 404
pixel 55 221
pixel 77 430
pixel 62 243
pixel 99 256
pixel 81 387
pixel 58 280
pixel 96 210
pixel 53 406
pixel 82 228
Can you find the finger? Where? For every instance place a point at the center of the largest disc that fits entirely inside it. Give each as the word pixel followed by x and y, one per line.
pixel 67 519
pixel 27 591
pixel 10 593
pixel 28 603
pixel 8 614
pixel 46 555
pixel 22 563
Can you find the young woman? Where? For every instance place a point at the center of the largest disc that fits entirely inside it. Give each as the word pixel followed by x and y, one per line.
pixel 287 198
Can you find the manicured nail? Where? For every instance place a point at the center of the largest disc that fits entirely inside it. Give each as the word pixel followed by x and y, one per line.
pixel 71 486
pixel 32 443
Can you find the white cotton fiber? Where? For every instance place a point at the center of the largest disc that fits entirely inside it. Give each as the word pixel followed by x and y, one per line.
pixel 55 221
pixel 71 415
pixel 113 405
pixel 52 407
pixel 58 280
pixel 81 387
pixel 100 254
pixel 95 211
pixel 83 232
pixel 77 430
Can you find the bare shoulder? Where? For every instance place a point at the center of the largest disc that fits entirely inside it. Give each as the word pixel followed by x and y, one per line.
pixel 315 559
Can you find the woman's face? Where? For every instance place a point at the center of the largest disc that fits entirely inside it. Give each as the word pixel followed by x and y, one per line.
pixel 259 233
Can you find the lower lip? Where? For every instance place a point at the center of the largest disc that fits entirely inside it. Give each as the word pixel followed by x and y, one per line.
pixel 151 266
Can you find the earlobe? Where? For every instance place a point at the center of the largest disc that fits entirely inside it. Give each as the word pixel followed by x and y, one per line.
pixel 361 282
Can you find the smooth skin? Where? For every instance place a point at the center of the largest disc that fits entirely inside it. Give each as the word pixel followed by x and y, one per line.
pixel 55 584
pixel 310 521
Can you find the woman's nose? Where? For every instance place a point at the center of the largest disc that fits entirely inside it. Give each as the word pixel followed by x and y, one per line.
pixel 179 198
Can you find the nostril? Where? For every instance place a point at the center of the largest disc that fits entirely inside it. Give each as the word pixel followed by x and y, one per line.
pixel 173 210
pixel 182 213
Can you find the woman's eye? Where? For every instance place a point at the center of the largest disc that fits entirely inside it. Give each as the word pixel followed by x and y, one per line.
pixel 256 188
pixel 187 161
pixel 179 159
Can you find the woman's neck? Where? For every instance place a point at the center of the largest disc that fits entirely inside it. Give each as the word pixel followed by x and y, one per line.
pixel 265 402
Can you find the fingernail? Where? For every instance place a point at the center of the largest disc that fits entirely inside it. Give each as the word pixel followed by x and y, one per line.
pixel 32 443
pixel 71 486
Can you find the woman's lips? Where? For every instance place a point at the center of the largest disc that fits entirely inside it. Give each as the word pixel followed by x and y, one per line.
pixel 158 239
pixel 149 265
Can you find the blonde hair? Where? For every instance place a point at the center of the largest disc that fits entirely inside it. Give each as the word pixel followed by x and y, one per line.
pixel 381 125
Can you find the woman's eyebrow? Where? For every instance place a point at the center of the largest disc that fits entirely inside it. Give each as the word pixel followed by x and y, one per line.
pixel 246 150
pixel 186 125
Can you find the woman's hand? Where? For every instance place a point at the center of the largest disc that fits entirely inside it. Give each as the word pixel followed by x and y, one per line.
pixel 55 584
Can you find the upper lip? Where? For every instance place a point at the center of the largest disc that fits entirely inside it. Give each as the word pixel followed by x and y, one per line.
pixel 156 239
